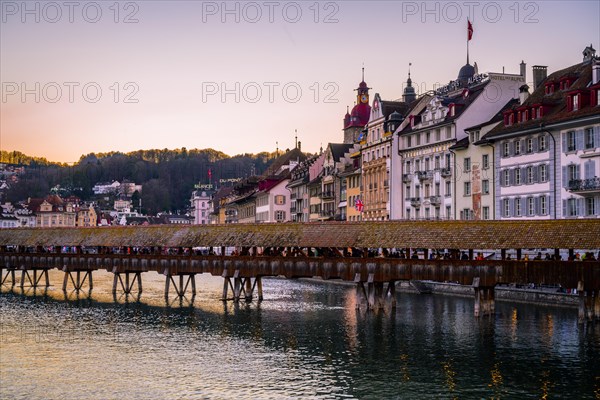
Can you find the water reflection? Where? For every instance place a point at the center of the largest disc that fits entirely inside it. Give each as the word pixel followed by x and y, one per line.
pixel 305 340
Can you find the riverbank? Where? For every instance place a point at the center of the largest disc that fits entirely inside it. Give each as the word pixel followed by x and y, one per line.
pixel 542 296
pixel 545 296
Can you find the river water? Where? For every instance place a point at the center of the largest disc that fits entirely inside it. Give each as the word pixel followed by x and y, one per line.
pixel 305 340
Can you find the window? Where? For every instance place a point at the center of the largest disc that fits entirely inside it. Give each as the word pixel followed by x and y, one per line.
pixel 529 148
pixel 437 162
pixel 517 176
pixel 279 215
pixel 543 173
pixel 418 139
pixel 427 137
pixel 437 188
pixel 279 199
pixel 408 213
pixel 530 206
pixel 571 144
pixel 408 192
pixel 467 164
pixel 408 167
pixel 437 213
pixel 427 212
pixel 506 149
pixel 590 208
pixel 572 172
pixel 542 143
pixel 427 164
pixel 543 205
pixel 506 207
pixel 448 161
pixel 517 207
pixel 408 141
pixel 529 174
pixel 572 207
pixel 506 177
pixel 485 213
pixel 417 165
pixel 448 188
pixel 485 161
pixel 467 188
pixel 437 135
pixel 448 132
pixel 517 144
pixel 576 102
pixel 448 211
pixel 589 138
pixel 485 186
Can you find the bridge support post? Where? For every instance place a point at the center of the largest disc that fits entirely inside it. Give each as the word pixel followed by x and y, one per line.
pixel 374 294
pixel 180 289
pixel 77 278
pixel 33 279
pixel 9 272
pixel 589 303
pixel 485 303
pixel 128 285
pixel 241 286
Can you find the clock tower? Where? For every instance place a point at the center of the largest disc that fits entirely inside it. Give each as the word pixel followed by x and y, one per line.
pixel 355 121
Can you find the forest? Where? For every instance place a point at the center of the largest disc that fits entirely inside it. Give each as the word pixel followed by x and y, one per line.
pixel 168 176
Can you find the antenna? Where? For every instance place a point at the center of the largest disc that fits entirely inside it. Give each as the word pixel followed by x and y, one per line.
pixel 296 132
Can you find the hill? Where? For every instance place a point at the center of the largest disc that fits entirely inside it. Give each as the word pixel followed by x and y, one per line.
pixel 168 176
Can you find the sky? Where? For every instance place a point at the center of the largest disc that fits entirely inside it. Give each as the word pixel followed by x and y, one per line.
pixel 243 77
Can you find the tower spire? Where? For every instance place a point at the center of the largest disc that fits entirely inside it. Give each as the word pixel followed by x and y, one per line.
pixel 363 72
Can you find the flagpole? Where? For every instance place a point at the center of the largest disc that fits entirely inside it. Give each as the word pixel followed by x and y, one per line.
pixel 467 42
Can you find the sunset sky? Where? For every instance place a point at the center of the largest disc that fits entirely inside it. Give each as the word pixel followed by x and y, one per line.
pixel 98 77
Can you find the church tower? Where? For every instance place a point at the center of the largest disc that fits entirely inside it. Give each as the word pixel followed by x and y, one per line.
pixel 356 120
pixel 409 94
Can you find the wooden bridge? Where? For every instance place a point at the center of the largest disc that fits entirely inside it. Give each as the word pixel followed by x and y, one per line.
pixel 364 253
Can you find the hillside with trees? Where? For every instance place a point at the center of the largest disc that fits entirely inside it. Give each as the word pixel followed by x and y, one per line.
pixel 168 176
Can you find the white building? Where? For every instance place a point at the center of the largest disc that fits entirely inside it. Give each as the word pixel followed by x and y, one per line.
pixel 548 147
pixel 273 201
pixel 201 206
pixel 106 187
pixel 475 188
pixel 423 163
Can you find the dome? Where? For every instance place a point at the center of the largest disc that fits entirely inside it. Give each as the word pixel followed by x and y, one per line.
pixel 466 72
pixel 395 116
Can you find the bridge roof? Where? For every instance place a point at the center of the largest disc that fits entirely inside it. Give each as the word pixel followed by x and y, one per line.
pixel 563 234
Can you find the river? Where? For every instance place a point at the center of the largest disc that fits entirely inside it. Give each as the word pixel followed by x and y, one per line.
pixel 306 340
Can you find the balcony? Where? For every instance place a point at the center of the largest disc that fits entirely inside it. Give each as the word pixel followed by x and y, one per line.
pixel 424 175
pixel 293 196
pixel 446 172
pixel 327 213
pixel 406 178
pixel 329 194
pixel 415 202
pixel 293 209
pixel 435 200
pixel 585 186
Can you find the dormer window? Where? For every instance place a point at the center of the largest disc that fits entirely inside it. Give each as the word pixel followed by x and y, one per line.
pixel 452 108
pixel 511 119
pixel 540 112
pixel 576 102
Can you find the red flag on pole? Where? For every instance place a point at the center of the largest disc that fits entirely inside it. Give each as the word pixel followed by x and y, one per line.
pixel 469 30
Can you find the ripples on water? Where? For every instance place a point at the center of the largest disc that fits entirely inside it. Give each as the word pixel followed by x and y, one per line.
pixel 305 340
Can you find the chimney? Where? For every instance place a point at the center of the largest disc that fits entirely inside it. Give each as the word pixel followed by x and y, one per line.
pixel 523 94
pixel 300 146
pixel 596 71
pixel 540 72
pixel 523 70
